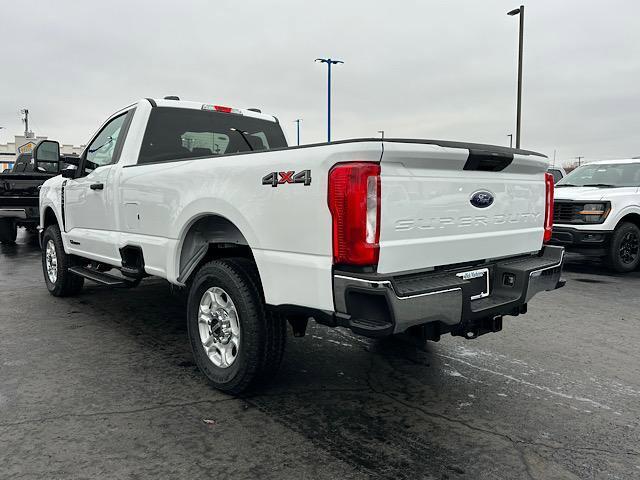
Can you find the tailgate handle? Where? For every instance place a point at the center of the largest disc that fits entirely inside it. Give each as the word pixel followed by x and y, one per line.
pixel 487 161
pixel 97 186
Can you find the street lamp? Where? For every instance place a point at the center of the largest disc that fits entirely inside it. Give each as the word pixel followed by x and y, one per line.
pixel 329 62
pixel 381 132
pixel 510 135
pixel 519 11
pixel 297 122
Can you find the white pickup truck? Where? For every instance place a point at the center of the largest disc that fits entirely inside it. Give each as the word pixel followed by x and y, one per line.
pixel 597 212
pixel 423 237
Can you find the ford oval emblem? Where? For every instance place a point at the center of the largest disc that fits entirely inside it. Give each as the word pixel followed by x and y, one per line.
pixel 481 199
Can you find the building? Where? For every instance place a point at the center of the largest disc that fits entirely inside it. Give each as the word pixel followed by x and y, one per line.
pixel 21 144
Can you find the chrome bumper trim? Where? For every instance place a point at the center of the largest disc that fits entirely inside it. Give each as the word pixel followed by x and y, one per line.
pixel 442 305
pixel 539 282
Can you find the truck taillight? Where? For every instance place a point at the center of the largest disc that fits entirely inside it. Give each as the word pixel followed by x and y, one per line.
pixel 354 202
pixel 548 210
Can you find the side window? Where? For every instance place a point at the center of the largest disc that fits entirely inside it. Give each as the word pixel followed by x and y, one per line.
pixel 101 151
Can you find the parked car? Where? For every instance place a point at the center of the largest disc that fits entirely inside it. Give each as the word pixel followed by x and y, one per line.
pixel 378 236
pixel 19 194
pixel 557 172
pixel 597 212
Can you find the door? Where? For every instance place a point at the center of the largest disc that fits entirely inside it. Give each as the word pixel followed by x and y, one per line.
pixel 89 197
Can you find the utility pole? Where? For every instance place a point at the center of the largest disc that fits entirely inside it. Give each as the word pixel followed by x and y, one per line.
pixel 579 160
pixel 329 62
pixel 519 11
pixel 381 132
pixel 27 132
pixel 297 122
pixel 510 135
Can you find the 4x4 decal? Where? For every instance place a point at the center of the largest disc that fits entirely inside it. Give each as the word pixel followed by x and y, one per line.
pixel 280 178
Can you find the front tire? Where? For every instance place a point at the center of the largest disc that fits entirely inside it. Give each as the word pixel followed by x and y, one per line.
pixel 624 250
pixel 55 265
pixel 234 341
pixel 8 230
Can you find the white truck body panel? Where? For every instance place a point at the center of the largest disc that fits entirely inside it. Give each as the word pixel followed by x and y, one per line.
pixel 426 217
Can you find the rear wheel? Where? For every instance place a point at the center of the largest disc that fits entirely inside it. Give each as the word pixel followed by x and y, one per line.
pixel 8 230
pixel 624 250
pixel 55 265
pixel 235 342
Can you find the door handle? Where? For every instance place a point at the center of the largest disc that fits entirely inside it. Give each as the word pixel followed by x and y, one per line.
pixel 97 186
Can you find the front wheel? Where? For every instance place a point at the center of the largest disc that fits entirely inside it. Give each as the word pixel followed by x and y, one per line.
pixel 55 265
pixel 624 250
pixel 8 230
pixel 230 331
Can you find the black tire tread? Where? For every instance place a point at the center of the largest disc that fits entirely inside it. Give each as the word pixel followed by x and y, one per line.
pixel 612 255
pixel 254 331
pixel 67 283
pixel 8 231
pixel 275 326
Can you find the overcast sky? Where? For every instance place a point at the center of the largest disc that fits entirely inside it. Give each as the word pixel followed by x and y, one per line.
pixel 430 69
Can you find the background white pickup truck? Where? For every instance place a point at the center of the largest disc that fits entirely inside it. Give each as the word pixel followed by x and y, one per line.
pixel 597 212
pixel 382 237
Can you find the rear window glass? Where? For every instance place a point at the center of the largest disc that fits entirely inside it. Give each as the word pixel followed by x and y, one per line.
pixel 183 133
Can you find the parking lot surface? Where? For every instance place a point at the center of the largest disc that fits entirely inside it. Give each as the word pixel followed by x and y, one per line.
pixel 103 385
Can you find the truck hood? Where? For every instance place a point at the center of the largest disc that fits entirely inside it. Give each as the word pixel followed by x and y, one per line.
pixel 592 193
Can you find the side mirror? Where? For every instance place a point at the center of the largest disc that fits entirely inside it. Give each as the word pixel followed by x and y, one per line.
pixel 47 155
pixel 69 172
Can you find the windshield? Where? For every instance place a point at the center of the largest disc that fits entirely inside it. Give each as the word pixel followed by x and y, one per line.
pixel 603 175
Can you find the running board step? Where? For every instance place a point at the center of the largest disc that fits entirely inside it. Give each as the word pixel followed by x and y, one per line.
pixel 100 277
pixel 370 328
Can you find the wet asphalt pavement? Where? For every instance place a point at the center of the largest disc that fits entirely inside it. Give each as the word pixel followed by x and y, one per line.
pixel 103 385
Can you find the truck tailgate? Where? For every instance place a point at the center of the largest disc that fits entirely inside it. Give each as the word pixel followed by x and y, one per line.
pixel 445 205
pixel 20 189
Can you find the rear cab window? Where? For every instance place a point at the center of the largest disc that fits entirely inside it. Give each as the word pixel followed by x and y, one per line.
pixel 183 133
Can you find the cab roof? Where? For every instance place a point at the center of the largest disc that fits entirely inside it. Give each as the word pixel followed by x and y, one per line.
pixel 620 160
pixel 213 106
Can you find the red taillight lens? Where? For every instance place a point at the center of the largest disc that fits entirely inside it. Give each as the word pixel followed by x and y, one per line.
pixel 354 202
pixel 548 211
pixel 220 108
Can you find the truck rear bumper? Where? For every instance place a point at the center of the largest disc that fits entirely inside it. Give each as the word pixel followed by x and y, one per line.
pixel 375 305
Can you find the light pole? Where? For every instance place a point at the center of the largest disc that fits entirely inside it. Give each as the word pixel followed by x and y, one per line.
pixel 510 135
pixel 519 11
pixel 579 160
pixel 329 62
pixel 381 132
pixel 297 122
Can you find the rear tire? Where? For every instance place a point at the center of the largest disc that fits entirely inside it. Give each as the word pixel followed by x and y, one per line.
pixel 8 230
pixel 624 249
pixel 55 265
pixel 234 339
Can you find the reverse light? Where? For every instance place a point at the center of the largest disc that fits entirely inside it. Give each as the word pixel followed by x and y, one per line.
pixel 354 202
pixel 548 207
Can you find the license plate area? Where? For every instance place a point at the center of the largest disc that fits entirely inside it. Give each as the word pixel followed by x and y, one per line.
pixel 478 280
